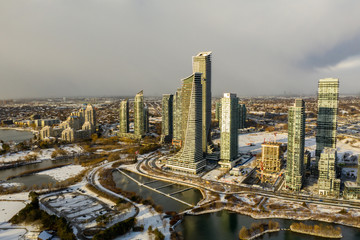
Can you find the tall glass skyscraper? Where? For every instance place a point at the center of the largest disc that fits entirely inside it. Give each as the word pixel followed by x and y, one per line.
pixel 177 116
pixel 139 120
pixel 190 158
pixel 328 184
pixel 167 118
pixel 296 144
pixel 202 64
pixel 229 128
pixel 124 116
pixel 328 98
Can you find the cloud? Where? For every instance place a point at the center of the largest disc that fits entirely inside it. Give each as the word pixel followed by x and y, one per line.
pixel 95 48
pixel 346 64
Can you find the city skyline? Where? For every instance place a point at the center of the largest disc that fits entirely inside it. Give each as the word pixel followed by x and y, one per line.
pixel 45 55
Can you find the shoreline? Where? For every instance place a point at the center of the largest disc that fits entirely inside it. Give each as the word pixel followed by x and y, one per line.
pixel 314 234
pixel 19 129
pixel 267 216
pixel 263 233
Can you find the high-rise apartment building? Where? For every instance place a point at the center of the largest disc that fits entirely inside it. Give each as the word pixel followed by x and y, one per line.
pixel 296 142
pixel 327 182
pixel 146 119
pixel 190 157
pixel 167 118
pixel 328 98
pixel 229 129
pixel 139 120
pixel 124 116
pixel 218 111
pixel 90 115
pixel 202 64
pixel 271 157
pixel 242 116
pixel 177 117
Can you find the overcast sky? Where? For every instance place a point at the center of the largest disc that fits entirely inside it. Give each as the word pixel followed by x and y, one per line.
pixel 51 48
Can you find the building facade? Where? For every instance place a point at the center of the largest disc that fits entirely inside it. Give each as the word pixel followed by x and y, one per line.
pixel 124 116
pixel 328 98
pixel 242 116
pixel 218 111
pixel 229 128
pixel 167 118
pixel 177 119
pixel 271 157
pixel 190 157
pixel 79 125
pixel 327 182
pixel 139 120
pixel 202 64
pixel 146 120
pixel 296 144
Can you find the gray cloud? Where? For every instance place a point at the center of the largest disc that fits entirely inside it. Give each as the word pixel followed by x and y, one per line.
pixel 117 47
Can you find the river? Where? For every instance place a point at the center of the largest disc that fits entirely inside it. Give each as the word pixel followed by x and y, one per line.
pixel 15 135
pixel 30 180
pixel 219 225
pixel 191 196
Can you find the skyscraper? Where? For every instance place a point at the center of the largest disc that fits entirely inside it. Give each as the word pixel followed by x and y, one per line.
pixel 296 144
pixel 167 118
pixel 124 116
pixel 327 182
pixel 217 111
pixel 202 64
pixel 146 119
pixel 229 129
pixel 190 157
pixel 177 117
pixel 139 120
pixel 242 116
pixel 328 97
pixel 90 115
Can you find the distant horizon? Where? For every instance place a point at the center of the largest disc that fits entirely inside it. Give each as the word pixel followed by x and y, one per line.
pixel 160 96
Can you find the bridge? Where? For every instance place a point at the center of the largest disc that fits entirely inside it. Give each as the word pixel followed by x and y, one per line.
pixel 156 190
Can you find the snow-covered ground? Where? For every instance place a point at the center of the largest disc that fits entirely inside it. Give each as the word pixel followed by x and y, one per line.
pixel 9 185
pixel 257 139
pixel 12 233
pixel 148 217
pixel 8 209
pixel 63 173
pixel 10 205
pixel 41 155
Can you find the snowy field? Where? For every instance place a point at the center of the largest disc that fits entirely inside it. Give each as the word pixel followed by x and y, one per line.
pixel 41 155
pixel 63 173
pixel 8 208
pixel 12 233
pixel 148 218
pixel 9 185
pixel 257 139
